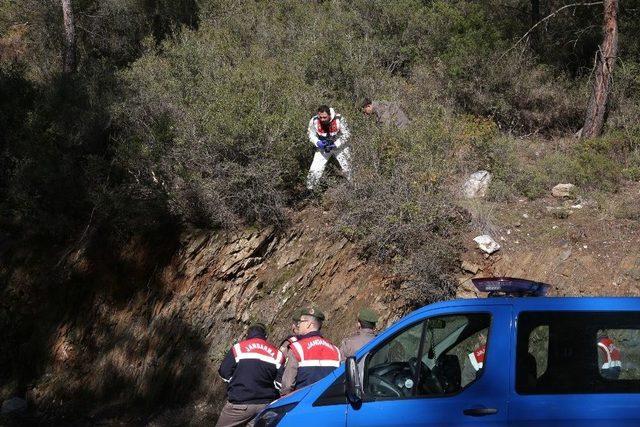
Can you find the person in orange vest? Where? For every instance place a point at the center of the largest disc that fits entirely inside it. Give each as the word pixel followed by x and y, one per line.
pixel 475 362
pixel 250 369
pixel 314 357
pixel 609 358
pixel 329 133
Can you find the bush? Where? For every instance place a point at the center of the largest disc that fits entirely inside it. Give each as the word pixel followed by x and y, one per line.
pixel 217 131
pixel 397 207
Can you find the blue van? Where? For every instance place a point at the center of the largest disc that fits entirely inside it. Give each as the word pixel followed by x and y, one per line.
pixel 511 359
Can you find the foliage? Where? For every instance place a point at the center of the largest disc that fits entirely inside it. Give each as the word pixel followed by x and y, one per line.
pixel 195 112
pixel 399 209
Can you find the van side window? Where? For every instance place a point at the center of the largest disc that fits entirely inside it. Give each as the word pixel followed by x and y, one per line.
pixel 437 357
pixel 390 368
pixel 578 352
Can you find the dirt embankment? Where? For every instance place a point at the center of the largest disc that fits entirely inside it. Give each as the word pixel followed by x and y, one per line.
pixel 149 325
pixel 141 331
pixel 582 246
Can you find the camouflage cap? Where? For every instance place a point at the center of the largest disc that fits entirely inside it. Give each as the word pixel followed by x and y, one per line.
pixel 296 315
pixel 312 311
pixel 368 315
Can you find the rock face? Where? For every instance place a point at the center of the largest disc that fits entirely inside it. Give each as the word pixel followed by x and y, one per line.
pixel 476 185
pixel 162 329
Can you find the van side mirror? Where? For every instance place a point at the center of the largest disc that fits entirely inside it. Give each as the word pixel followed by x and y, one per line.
pixel 353 385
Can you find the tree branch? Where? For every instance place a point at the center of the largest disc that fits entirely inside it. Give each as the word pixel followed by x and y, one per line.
pixel 546 18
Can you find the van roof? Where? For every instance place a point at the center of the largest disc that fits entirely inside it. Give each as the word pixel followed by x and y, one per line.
pixel 544 303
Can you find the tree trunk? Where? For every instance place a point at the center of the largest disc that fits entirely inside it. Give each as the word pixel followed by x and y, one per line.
pixel 69 56
pixel 606 57
pixel 535 17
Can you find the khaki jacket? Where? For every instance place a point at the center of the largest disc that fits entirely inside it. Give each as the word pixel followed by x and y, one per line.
pixel 389 114
pixel 351 344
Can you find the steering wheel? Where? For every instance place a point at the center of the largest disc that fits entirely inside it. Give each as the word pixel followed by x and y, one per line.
pixel 389 379
pixel 386 387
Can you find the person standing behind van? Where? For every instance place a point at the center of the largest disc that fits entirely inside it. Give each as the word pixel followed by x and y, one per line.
pixel 475 361
pixel 367 320
pixel 250 368
pixel 314 357
pixel 610 358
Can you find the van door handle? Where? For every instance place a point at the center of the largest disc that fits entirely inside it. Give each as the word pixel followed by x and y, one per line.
pixel 480 412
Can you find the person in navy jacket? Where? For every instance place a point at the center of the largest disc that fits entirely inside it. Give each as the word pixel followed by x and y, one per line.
pixel 250 369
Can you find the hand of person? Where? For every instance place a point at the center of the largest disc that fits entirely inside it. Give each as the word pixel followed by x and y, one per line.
pixel 329 147
pixel 321 144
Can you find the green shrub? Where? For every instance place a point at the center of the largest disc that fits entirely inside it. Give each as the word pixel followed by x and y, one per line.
pixel 500 191
pixel 399 210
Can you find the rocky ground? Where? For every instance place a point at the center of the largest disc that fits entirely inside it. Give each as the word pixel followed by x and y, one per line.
pixel 582 245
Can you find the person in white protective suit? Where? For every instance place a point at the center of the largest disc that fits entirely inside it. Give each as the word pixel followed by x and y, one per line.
pixel 329 133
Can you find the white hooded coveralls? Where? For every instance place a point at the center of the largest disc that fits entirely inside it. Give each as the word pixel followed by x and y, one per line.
pixel 337 132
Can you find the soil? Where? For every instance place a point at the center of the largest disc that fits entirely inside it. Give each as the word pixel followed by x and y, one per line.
pixel 590 249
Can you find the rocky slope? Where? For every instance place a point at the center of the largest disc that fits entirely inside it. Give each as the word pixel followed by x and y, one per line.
pixel 151 324
pixel 141 331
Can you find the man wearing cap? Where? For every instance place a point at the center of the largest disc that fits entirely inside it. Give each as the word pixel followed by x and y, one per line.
pixel 284 345
pixel 367 320
pixel 313 356
pixel 250 370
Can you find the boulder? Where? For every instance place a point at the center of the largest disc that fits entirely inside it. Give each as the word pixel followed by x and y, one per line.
pixel 563 190
pixel 14 405
pixel 476 185
pixel 470 267
pixel 487 244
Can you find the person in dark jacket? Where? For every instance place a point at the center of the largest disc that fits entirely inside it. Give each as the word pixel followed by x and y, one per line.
pixel 250 369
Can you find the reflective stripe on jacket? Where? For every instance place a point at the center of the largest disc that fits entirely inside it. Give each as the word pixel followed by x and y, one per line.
pixel 250 369
pixel 477 357
pixel 610 353
pixel 316 358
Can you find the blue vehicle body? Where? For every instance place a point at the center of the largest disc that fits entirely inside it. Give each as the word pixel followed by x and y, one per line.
pixel 493 392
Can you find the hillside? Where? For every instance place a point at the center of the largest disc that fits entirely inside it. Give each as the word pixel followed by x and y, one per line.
pixel 142 331
pixel 156 194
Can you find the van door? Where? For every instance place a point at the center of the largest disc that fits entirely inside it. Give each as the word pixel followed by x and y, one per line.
pixel 446 369
pixel 576 368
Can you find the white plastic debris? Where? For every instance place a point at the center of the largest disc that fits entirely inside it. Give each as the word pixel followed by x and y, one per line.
pixel 487 244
